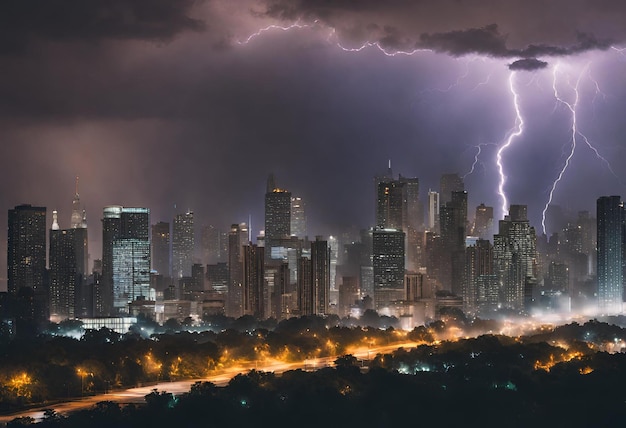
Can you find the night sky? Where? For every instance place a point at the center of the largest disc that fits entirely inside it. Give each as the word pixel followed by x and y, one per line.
pixel 178 104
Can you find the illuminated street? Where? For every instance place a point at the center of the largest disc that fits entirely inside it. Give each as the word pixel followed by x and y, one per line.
pixel 136 395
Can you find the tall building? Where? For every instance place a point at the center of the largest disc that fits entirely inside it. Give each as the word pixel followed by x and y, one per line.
pixel 277 215
pixel 452 222
pixel 480 291
pixel 214 244
pixel 433 212
pixel 305 293
pixel 253 285
pixel 182 244
pixel 391 205
pixel 515 258
pixel 610 218
pixel 483 222
pixel 388 264
pixel 26 255
pixel 298 217
pixel 449 183
pixel 125 259
pixel 237 238
pixel 320 275
pixel 68 270
pixel 161 248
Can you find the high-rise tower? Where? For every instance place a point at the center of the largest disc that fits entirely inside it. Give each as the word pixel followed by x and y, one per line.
pixel 26 255
pixel 277 216
pixel 182 244
pixel 610 218
pixel 125 259
pixel 161 248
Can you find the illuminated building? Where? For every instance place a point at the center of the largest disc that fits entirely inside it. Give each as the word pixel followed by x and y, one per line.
pixel 388 264
pixel 214 244
pixel 161 248
pixel 515 257
pixel 480 290
pixel 68 269
pixel 433 211
pixel 277 215
pixel 298 217
pixel 26 255
pixel 452 222
pixel 483 222
pixel 320 275
pixel 237 238
pixel 125 259
pixel 306 295
pixel 253 286
pixel 447 184
pixel 610 220
pixel 182 244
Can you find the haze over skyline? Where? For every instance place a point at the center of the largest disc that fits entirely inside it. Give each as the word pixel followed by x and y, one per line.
pixel 172 103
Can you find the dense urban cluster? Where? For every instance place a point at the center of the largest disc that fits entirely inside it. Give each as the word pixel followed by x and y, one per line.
pixel 160 306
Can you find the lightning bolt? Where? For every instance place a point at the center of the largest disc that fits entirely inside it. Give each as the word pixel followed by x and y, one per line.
pixel 476 161
pixel 572 109
pixel 274 27
pixel 572 106
pixel 514 132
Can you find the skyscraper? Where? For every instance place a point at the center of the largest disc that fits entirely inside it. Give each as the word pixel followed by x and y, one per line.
pixel 449 183
pixel 320 275
pixel 182 244
pixel 452 222
pixel 237 238
pixel 161 248
pixel 68 256
pixel 298 217
pixel 388 263
pixel 277 216
pixel 515 257
pixel 253 286
pixel 125 259
pixel 483 222
pixel 480 291
pixel 26 255
pixel 610 218
pixel 433 211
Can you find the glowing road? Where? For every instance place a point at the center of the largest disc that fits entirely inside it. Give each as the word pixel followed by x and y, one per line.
pixel 220 378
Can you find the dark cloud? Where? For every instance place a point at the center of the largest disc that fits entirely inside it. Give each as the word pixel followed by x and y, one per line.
pixel 25 21
pixel 459 27
pixel 528 64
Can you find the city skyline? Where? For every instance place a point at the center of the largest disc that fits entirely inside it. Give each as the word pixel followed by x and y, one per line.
pixel 192 113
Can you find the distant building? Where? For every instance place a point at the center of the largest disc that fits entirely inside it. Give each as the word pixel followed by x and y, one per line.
pixel 161 248
pixel 253 286
pixel 433 212
pixel 182 244
pixel 610 218
pixel 483 222
pixel 125 259
pixel 449 183
pixel 237 238
pixel 68 264
pixel 298 217
pixel 26 256
pixel 515 258
pixel 388 264
pixel 277 215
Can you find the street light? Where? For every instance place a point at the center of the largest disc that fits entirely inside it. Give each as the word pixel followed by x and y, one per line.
pixel 82 373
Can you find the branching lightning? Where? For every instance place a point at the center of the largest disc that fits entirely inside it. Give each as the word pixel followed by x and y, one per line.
pixel 476 161
pixel 516 131
pixel 572 106
pixel 272 28
pixel 572 109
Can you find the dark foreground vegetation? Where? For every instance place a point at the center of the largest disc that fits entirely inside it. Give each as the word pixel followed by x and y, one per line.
pixel 572 375
pixel 489 381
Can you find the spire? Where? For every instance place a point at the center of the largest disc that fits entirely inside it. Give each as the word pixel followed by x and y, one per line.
pixel 55 221
pixel 77 218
